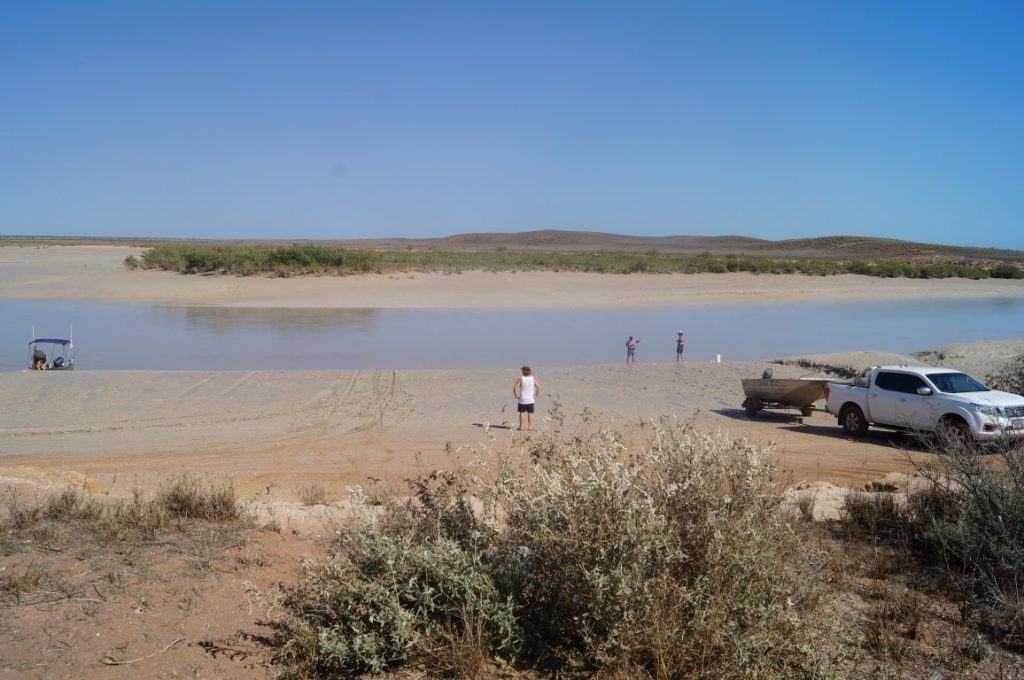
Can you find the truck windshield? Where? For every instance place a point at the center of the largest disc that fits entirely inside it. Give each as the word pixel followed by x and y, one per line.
pixel 956 382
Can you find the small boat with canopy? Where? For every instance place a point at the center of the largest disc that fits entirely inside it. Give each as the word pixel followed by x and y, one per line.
pixel 51 354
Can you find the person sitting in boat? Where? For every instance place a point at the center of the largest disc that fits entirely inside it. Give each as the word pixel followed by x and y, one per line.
pixel 39 360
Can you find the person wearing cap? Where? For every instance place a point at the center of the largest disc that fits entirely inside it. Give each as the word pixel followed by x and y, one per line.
pixel 680 342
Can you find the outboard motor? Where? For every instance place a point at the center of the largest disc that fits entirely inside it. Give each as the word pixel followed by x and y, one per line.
pixel 767 375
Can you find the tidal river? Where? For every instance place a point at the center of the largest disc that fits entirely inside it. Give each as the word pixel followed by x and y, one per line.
pixel 134 336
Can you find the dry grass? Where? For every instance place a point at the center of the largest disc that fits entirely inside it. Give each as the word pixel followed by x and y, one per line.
pixel 313 493
pixel 87 582
pixel 188 498
pixel 805 505
pixel 197 520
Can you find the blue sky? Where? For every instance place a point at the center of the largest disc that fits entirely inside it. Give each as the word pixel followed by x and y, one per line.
pixel 370 119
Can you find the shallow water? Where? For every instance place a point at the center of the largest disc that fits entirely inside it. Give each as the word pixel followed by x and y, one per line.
pixel 133 336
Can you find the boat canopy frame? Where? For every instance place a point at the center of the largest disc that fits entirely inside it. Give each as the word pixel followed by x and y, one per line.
pixel 61 360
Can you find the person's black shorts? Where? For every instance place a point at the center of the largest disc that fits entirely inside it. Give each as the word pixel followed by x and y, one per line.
pixel 526 408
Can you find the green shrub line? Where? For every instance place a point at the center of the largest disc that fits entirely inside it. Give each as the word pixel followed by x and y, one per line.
pixel 313 259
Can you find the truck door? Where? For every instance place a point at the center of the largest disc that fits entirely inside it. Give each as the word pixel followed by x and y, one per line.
pixel 915 411
pixel 883 395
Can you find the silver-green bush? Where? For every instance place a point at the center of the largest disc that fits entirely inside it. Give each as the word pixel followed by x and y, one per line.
pixel 670 563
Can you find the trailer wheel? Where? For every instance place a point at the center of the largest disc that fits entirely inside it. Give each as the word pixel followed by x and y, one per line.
pixel 752 405
pixel 806 411
pixel 851 419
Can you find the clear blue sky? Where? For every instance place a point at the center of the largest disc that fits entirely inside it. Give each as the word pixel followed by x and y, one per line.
pixel 360 119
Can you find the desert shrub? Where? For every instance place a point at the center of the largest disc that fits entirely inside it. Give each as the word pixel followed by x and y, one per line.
pixel 442 509
pixel 340 622
pixel 1006 271
pixel 610 540
pixel 20 515
pixel 859 267
pixel 672 564
pixel 967 523
pixel 1010 378
pixel 981 536
pixel 313 493
pixel 805 504
pixel 887 270
pixel 70 504
pixel 377 603
pixel 874 515
pixel 401 584
pixel 187 497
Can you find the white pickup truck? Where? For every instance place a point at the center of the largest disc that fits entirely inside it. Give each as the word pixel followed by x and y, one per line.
pixel 924 399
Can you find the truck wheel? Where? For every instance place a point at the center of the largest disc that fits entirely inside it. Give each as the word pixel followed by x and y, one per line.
pixel 851 419
pixel 953 432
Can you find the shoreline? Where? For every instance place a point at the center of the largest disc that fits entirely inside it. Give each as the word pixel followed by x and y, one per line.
pixel 97 273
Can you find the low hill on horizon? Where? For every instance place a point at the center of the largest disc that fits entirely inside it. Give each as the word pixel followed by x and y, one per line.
pixel 840 248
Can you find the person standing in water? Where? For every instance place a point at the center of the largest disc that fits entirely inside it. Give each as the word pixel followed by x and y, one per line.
pixel 526 390
pixel 680 342
pixel 631 350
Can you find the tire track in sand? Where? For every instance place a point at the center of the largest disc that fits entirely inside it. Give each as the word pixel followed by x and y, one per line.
pixel 388 400
pixel 334 405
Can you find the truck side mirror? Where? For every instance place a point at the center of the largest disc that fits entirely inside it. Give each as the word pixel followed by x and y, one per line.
pixel 924 391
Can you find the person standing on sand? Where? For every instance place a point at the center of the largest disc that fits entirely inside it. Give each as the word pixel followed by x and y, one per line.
pixel 680 342
pixel 526 390
pixel 631 350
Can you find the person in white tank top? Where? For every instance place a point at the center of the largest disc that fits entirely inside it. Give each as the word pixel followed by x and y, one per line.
pixel 526 390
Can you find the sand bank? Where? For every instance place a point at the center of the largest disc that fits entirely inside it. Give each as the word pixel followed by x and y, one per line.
pixel 97 273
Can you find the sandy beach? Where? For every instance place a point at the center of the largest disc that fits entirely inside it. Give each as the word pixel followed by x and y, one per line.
pixel 274 431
